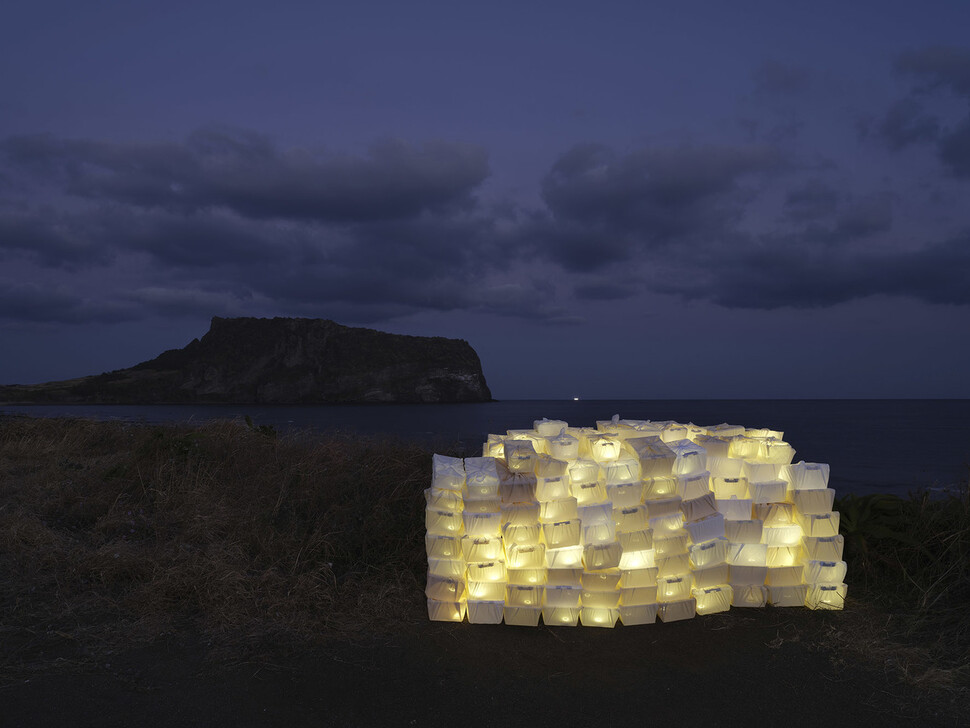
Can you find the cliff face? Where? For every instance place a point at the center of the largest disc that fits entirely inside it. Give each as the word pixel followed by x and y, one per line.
pixel 285 361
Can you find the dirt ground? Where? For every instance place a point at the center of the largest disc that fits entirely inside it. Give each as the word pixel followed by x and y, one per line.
pixel 761 667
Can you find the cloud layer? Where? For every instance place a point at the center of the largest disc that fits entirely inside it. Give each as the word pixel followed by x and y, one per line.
pixel 227 222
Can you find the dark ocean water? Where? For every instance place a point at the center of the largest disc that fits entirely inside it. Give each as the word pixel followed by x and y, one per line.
pixel 888 446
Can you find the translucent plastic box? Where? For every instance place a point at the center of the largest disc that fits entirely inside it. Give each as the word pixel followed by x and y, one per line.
pixel 562 596
pixel 601 580
pixel 600 599
pixel 632 541
pixel 824 548
pixel 632 518
pixel 487 591
pixel 743 531
pixel 670 543
pixel 598 556
pixel 826 596
pixel 640 614
pixel 824 524
pixel 730 487
pixel 673 565
pixel 448 523
pixel 697 508
pixel 597 617
pixel 818 501
pixel 443 589
pixel 741 575
pixel 518 487
pixel 439 546
pixel 523 596
pixel 623 470
pixel 768 491
pixel 522 616
pixel 564 577
pixel 448 568
pixel 625 495
pixel 447 472
pixel 706 529
pixel 785 575
pixel 638 577
pixel 526 535
pixel 564 509
pixel 790 535
pixel 787 596
pixel 526 577
pixel 483 506
pixel 560 616
pixel 713 599
pixel 522 556
pixel 785 556
pixel 674 588
pixel 735 509
pixel 443 500
pixel 485 571
pixel 520 456
pixel 484 612
pixel 520 514
pixel 809 476
pixel 589 493
pixel 445 611
pixel 568 557
pixel 637 596
pixel 562 533
pixel 659 487
pixel 749 596
pixel 710 576
pixel 563 446
pixel 709 553
pixel 676 611
pixel 694 485
pixel 827 572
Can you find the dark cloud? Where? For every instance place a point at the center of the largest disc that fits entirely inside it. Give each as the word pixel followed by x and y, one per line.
pixel 244 172
pixel 810 201
pixel 605 291
pixel 955 150
pixel 906 123
pixel 937 67
pixel 660 194
pixel 781 79
pixel 36 303
pixel 51 238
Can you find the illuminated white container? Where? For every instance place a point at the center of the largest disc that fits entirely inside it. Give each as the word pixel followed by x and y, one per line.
pixel 674 431
pixel 526 577
pixel 598 533
pixel 481 478
pixel 763 433
pixel 483 506
pixel 601 581
pixel 563 446
pixel 549 428
pixel 439 611
pixel 520 514
pixel 517 595
pixel 561 596
pixel 809 476
pixel 589 493
pixel 443 589
pixel 486 591
pixel 775 451
pixel 520 456
pixel 567 557
pixel 676 611
pixel 553 487
pixel 642 559
pixel 633 518
pixel 562 534
pixel 624 469
pixel 669 505
pixel 444 522
pixel 443 500
pixel 824 548
pixel 785 575
pixel 757 471
pixel 666 524
pixel 600 599
pixel 693 485
pixel 775 514
pixel 826 596
pixel 625 495
pixel 709 553
pixel 730 487
pixel 528 535
pixel 560 616
pixel 785 555
pixel 564 509
pixel 725 430
pixel 744 448
pixel 630 578
pixel 656 459
pixel 673 588
pixel 633 541
pixel 583 470
pixel 828 572
pixel 715 447
pixel 706 529
pixel 743 531
pixel 485 571
pixel 638 596
pixel 565 577
pixel 689 458
pixel 439 546
pixel 447 473
pixel 697 508
pixel 673 565
pixel 484 612
pixel 710 576
pixel 818 501
pixel 735 509
pixel 641 614
pixel 745 575
pixel 787 596
pixel 599 556
pixel 448 568
pixel 523 556
pixel 658 487
pixel 790 535
pixel 713 599
pixel 768 491
pixel 596 617
pixel 494 447
pixel 749 596
pixel 596 513
pixel 747 554
pixel 517 487
pixel 670 543
pixel 822 524
pixel 483 524
pixel 522 616
pixel 726 467
pixel 605 448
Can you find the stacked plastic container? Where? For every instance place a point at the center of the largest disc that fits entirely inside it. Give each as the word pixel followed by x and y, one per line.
pixel 629 521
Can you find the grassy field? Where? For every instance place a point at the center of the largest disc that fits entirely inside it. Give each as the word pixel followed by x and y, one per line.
pixel 113 534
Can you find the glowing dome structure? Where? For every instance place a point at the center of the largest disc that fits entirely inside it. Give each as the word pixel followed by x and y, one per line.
pixel 630 520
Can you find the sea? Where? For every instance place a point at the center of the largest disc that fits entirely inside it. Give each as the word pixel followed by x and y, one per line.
pixel 872 446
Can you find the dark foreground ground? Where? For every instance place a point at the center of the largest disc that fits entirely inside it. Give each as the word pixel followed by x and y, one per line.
pixel 762 667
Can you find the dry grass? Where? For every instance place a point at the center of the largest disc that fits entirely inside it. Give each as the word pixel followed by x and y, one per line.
pixel 112 533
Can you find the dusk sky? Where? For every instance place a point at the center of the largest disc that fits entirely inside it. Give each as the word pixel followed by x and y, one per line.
pixel 622 200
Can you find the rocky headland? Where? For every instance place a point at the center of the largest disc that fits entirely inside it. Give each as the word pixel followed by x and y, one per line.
pixel 283 361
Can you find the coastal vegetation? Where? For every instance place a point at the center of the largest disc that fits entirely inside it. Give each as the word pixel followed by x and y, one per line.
pixel 114 533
